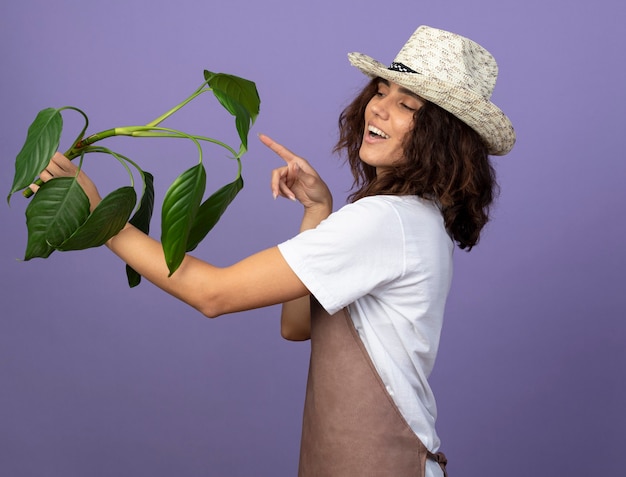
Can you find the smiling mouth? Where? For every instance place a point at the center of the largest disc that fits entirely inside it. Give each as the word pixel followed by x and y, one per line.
pixel 375 132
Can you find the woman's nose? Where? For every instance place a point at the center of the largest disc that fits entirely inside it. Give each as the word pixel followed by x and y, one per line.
pixel 381 107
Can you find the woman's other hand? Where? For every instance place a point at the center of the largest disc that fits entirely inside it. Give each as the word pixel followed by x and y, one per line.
pixel 297 180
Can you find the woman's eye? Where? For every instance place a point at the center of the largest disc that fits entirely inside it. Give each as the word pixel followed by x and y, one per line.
pixel 407 107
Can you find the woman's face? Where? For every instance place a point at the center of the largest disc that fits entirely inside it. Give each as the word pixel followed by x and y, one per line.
pixel 388 119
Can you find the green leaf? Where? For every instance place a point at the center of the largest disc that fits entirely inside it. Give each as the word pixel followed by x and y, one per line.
pixel 141 220
pixel 106 220
pixel 242 123
pixel 210 212
pixel 178 213
pixel 57 210
pixel 240 98
pixel 42 141
pixel 237 89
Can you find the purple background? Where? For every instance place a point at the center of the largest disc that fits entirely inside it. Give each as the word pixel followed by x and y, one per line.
pixel 99 380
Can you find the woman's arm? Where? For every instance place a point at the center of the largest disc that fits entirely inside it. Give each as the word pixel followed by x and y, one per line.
pixel 295 317
pixel 297 180
pixel 260 280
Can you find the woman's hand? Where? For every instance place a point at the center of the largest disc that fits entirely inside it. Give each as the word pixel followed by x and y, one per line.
pixel 61 166
pixel 297 180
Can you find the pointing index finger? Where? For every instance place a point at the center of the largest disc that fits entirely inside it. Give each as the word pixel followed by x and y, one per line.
pixel 279 149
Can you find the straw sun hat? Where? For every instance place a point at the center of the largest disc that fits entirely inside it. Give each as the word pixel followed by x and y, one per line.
pixel 453 72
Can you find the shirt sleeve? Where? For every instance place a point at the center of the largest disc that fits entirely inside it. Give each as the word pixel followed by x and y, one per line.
pixel 354 252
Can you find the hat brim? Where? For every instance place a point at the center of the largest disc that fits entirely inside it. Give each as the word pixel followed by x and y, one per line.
pixel 493 126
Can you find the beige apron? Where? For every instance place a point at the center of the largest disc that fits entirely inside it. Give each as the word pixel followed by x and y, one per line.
pixel 351 426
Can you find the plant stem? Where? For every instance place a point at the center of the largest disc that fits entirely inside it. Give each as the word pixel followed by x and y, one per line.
pixel 166 115
pixel 77 148
pixel 172 133
pixel 81 146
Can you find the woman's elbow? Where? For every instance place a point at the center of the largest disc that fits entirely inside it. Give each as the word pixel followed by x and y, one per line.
pixel 211 306
pixel 214 304
pixel 294 334
pixel 209 313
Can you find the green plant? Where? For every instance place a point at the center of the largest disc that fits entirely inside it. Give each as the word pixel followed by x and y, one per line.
pixel 58 216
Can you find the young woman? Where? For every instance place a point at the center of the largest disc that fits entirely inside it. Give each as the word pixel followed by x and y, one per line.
pixel 368 283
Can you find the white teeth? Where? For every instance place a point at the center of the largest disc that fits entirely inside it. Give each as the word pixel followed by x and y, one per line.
pixel 377 131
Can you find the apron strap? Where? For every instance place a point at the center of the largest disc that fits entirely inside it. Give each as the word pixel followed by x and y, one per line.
pixel 441 459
